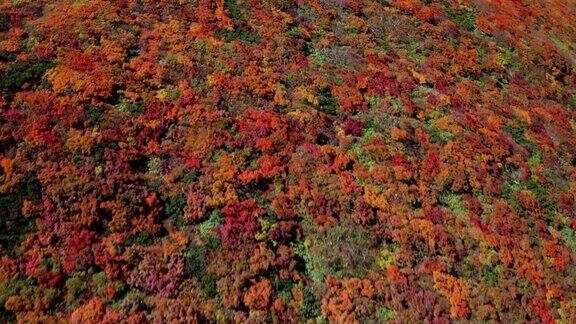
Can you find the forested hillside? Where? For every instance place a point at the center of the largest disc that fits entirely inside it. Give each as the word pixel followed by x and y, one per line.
pixel 342 161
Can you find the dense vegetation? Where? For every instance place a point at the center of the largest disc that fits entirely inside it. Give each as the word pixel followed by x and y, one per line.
pixel 287 161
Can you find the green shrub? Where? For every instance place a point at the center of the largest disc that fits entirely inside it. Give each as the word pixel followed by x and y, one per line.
pixel 9 288
pixel 512 185
pixel 130 107
pixel 280 4
pixel 237 9
pixel 100 280
pixel 74 287
pixel 509 189
pixel 173 207
pixel 239 33
pixel 437 135
pixel 465 18
pixel 14 224
pixel 239 13
pixel 517 133
pixel 206 228
pixel 385 314
pixel 327 102
pixel 23 72
pixel 135 299
pixel 541 194
pixel 346 250
pixel 140 238
pixel 169 93
pixel 95 114
pixel 491 274
pixel 310 306
pixel 195 267
pixel 196 254
pixel 283 289
pixel 453 202
pixel 4 22
pixel 154 165
pixel 569 237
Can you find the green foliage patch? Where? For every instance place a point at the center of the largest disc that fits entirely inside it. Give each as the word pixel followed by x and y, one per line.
pixel 23 72
pixel 14 225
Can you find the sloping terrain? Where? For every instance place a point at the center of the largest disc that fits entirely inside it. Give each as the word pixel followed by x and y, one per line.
pixel 287 161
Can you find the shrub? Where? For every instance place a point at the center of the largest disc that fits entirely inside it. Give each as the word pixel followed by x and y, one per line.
pixel 130 107
pixel 239 33
pixel 4 22
pixel 140 238
pixel 74 286
pixel 195 267
pixel 14 224
pixel 465 18
pixel 569 237
pixel 9 288
pixel 280 4
pixel 385 314
pixel 346 250
pixel 328 103
pixel 173 207
pixel 454 203
pixel 310 306
pixel 94 114
pixel 23 72
pixel 206 228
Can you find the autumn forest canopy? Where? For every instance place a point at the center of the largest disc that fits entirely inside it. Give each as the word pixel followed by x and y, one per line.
pixel 287 161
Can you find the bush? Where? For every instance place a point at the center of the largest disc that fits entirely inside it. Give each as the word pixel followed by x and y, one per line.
pixel 14 224
pixel 385 314
pixel 94 114
pixel 239 33
pixel 238 11
pixel 74 286
pixel 4 22
pixel 280 4
pixel 346 250
pixel 328 103
pixel 140 238
pixel 569 238
pixel 465 19
pixel 173 207
pixel 517 133
pixel 9 288
pixel 23 72
pixel 310 306
pixel 195 267
pixel 206 228
pixel 454 203
pixel 130 107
